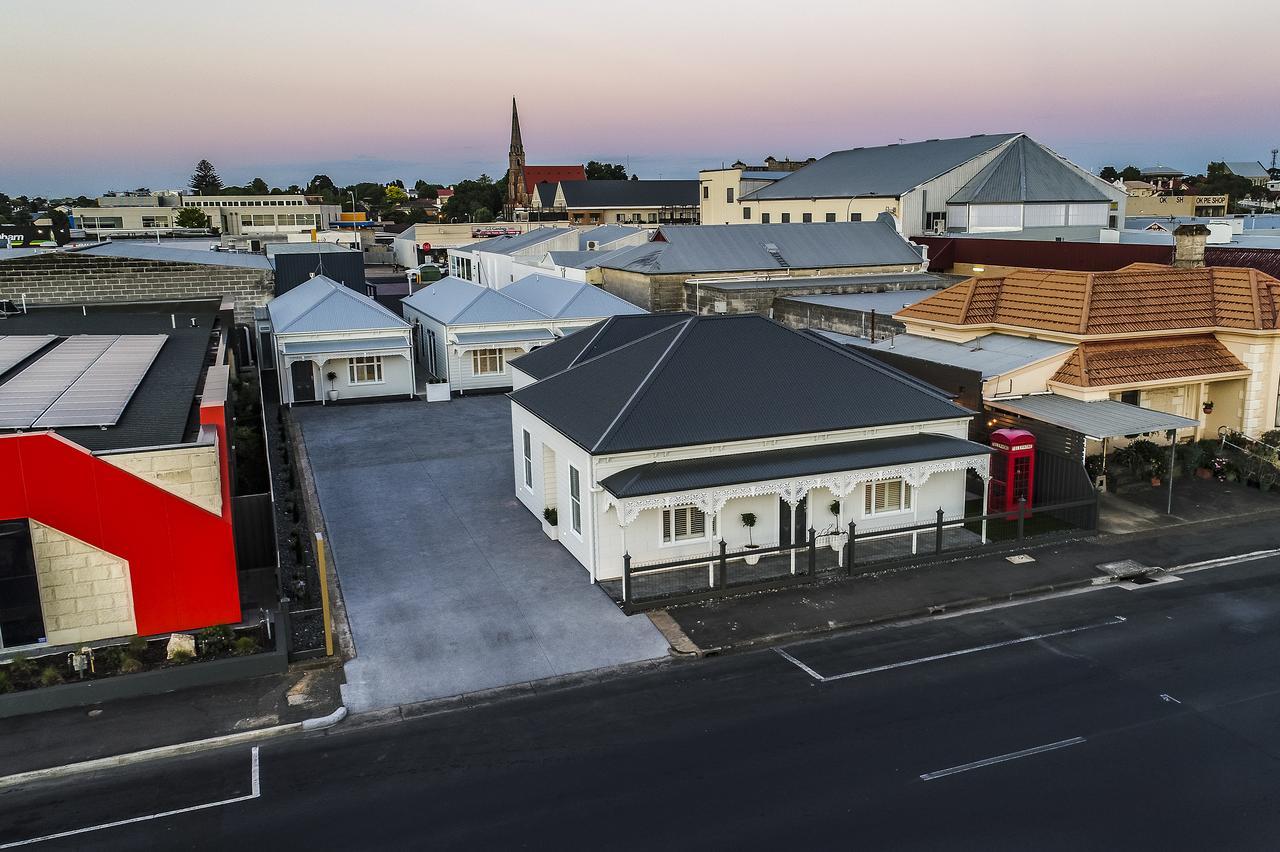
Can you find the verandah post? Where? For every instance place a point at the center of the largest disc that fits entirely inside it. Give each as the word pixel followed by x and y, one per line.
pixel 724 565
pixel 937 539
pixel 626 577
pixel 848 562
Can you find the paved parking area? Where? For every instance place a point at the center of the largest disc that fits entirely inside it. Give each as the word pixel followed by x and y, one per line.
pixel 449 583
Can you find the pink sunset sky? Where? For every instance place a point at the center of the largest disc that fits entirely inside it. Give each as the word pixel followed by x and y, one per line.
pixel 110 96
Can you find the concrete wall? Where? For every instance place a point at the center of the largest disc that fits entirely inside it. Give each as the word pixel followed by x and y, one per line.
pixel 827 318
pixel 84 591
pixel 57 278
pixel 189 472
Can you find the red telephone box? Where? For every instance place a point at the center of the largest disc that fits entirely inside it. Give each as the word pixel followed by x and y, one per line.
pixel 1013 469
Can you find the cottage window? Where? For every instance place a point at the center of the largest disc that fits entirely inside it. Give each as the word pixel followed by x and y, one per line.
pixel 746 213
pixel 887 497
pixel 831 217
pixel 683 524
pixel 528 459
pixel 365 370
pixel 786 218
pixel 575 500
pixel 855 217
pixel 764 218
pixel 487 362
pixel 728 195
pixel 806 217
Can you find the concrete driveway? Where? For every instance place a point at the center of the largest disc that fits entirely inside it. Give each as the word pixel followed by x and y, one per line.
pixel 450 585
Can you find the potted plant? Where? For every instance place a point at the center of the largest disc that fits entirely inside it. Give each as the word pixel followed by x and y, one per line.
pixel 333 392
pixel 1207 408
pixel 438 390
pixel 550 523
pixel 749 520
pixel 837 540
pixel 1156 468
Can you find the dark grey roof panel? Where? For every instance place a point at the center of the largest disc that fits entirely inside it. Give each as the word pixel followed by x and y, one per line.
pixel 737 469
pixel 886 171
pixel 593 340
pixel 713 379
pixel 630 193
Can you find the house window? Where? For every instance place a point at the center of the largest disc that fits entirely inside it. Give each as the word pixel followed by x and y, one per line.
pixel 746 213
pixel 728 194
pixel 706 192
pixel 528 459
pixel 764 218
pixel 683 524
pixel 831 217
pixel 786 218
pixel 1131 397
pixel 23 621
pixel 365 370
pixel 887 497
pixel 806 217
pixel 855 217
pixel 575 500
pixel 486 362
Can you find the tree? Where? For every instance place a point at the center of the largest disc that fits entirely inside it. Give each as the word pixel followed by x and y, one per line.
pixel 606 171
pixel 1109 174
pixel 427 190
pixel 397 182
pixel 192 217
pixel 205 180
pixel 396 194
pixel 321 184
pixel 1219 181
pixel 259 186
pixel 471 198
pixel 1130 173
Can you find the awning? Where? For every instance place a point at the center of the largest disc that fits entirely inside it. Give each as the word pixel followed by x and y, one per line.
pixel 346 347
pixel 485 338
pixel 1104 418
pixel 694 474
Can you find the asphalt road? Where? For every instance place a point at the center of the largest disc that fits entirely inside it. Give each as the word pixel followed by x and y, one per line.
pixel 1149 719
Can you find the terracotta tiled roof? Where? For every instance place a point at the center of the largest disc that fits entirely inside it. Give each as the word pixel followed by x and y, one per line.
pixel 534 175
pixel 1104 363
pixel 1139 298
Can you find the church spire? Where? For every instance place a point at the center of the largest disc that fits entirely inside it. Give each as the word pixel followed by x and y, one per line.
pixel 517 192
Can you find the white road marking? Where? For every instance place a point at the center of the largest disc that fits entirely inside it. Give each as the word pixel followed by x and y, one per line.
pixel 1119 619
pixel 991 761
pixel 1164 696
pixel 1253 556
pixel 255 792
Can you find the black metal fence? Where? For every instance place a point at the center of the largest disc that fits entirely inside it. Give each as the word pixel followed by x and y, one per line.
pixel 651 585
pixel 257 562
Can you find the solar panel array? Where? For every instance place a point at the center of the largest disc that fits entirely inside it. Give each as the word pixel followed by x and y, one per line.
pixel 16 348
pixel 86 380
pixel 99 396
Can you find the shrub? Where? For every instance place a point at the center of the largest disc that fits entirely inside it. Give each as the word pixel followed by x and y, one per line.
pixel 6 685
pixel 551 515
pixel 129 665
pixel 108 659
pixel 1192 456
pixel 181 657
pixel 835 508
pixel 216 639
pixel 50 677
pixel 22 669
pixel 138 645
pixel 244 646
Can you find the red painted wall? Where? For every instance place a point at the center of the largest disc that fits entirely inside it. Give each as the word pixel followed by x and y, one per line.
pixel 181 557
pixel 945 252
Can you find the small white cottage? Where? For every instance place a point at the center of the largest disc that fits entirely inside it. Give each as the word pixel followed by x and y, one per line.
pixel 652 436
pixel 467 333
pixel 330 343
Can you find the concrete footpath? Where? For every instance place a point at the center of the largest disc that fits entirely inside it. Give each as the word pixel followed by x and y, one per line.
pixel 924 590
pixel 78 734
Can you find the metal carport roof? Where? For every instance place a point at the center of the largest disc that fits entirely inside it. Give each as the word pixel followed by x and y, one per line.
pixel 1099 419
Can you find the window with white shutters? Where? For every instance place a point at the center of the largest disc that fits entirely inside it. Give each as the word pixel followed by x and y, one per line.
pixel 886 497
pixel 683 524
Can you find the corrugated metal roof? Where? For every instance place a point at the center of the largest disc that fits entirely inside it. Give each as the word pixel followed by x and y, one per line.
pixel 710 379
pixel 1025 172
pixel 453 301
pixel 886 171
pixel 691 249
pixel 604 336
pixel 139 250
pixel 517 243
pixel 741 468
pixel 1106 418
pixel 883 303
pixel 307 248
pixel 629 193
pixel 322 304
pixel 1247 169
pixel 583 259
pixel 991 355
pixel 1160 170
pixel 800 282
pixel 603 235
pixel 562 299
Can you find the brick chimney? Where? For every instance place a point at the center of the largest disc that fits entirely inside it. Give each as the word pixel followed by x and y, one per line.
pixel 1188 246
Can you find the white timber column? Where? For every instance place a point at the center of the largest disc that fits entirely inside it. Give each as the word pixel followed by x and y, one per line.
pixel 986 492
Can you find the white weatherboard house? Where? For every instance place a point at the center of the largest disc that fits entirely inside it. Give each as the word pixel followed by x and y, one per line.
pixel 651 436
pixel 467 333
pixel 320 328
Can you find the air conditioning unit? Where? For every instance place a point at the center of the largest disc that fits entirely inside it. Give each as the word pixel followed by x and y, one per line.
pixel 721 306
pixel 592 245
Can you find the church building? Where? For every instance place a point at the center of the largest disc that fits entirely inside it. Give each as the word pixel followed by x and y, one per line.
pixel 522 180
